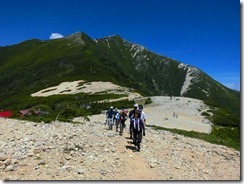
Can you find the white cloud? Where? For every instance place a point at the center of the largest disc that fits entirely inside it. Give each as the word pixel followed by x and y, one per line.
pixel 55 36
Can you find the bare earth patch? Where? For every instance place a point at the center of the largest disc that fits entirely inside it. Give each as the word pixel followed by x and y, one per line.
pixel 180 113
pixel 161 112
pixel 88 87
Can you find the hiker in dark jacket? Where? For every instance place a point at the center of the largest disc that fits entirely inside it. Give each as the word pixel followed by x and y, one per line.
pixel 123 118
pixel 138 129
pixel 131 116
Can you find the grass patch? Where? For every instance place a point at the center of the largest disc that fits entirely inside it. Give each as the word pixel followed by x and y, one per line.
pixel 65 107
pixel 48 90
pixel 68 90
pixel 227 136
pixel 80 84
pixel 148 101
pixel 205 114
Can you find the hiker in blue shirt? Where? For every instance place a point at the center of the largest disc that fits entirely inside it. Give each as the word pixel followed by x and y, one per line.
pixel 110 115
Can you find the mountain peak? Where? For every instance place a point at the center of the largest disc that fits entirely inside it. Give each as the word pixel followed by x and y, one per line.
pixel 79 37
pixel 116 36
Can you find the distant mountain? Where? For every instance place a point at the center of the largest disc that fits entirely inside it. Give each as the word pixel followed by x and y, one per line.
pixel 33 65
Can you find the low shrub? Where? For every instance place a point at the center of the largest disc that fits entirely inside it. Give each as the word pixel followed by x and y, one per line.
pixel 148 101
pixel 228 136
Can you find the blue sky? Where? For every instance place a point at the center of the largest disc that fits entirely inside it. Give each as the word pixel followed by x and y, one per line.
pixel 202 33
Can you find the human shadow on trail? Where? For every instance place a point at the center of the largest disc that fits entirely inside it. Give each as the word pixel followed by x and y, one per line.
pixel 133 148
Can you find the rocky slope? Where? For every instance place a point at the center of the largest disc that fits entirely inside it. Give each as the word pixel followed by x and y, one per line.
pixel 188 113
pixel 88 151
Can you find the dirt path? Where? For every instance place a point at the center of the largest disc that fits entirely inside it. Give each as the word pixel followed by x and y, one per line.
pixel 137 166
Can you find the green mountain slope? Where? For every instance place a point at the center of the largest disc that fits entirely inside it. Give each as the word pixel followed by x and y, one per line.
pixel 33 65
pixel 158 75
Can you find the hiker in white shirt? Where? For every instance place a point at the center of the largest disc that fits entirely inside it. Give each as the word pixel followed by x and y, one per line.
pixel 143 114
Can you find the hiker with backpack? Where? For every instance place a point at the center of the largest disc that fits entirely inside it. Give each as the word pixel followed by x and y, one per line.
pixel 109 116
pixel 123 118
pixel 117 120
pixel 131 116
pixel 138 129
pixel 143 114
pixel 115 112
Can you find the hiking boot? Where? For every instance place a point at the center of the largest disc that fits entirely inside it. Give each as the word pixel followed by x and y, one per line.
pixel 139 147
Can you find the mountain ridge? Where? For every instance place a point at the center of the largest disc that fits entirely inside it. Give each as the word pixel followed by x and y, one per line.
pixel 34 65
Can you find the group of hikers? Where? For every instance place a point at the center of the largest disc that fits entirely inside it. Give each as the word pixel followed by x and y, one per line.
pixel 137 119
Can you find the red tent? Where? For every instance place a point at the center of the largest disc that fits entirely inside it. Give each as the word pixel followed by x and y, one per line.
pixel 5 114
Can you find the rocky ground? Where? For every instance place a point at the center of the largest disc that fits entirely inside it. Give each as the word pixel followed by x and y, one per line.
pixel 188 114
pixel 88 151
